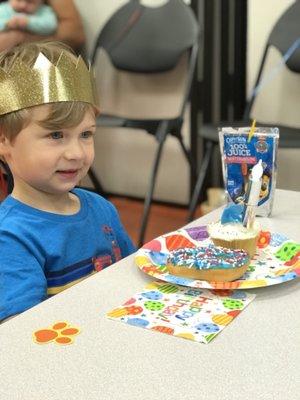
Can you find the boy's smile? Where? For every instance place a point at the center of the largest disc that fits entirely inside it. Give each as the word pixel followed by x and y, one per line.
pixel 68 173
pixel 48 164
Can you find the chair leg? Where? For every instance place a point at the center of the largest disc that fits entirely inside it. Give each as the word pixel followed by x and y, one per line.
pixel 200 180
pixel 161 137
pixel 95 181
pixel 188 156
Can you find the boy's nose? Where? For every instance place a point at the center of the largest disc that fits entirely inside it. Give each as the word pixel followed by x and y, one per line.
pixel 74 151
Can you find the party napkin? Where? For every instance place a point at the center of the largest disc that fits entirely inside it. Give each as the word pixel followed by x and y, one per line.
pixel 190 313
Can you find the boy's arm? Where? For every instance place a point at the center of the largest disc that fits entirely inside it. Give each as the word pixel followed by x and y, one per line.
pixel 22 280
pixel 44 22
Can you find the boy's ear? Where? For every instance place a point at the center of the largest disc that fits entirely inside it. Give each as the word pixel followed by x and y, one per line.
pixel 4 143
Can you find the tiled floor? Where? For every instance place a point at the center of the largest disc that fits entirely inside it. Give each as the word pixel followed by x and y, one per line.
pixel 163 218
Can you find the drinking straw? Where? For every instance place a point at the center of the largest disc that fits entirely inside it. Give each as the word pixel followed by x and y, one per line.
pixel 252 129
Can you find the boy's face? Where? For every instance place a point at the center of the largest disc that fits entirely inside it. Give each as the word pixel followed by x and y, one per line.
pixel 49 162
pixel 25 6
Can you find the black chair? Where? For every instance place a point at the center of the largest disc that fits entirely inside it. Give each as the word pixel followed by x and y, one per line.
pixel 285 37
pixel 7 177
pixel 146 41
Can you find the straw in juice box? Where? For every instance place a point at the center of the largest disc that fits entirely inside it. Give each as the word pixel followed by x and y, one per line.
pixel 239 155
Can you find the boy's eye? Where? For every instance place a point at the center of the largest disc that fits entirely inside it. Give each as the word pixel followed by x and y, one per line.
pixel 56 135
pixel 86 134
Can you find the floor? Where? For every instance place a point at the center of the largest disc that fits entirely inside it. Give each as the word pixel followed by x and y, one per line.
pixel 163 218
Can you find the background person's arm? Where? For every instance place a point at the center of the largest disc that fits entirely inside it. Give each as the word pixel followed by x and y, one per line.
pixel 69 30
pixel 11 38
pixel 44 22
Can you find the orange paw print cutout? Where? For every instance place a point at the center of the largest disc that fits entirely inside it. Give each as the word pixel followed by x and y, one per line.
pixel 60 333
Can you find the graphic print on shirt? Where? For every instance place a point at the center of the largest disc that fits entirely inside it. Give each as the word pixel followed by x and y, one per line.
pixel 57 281
pixel 111 237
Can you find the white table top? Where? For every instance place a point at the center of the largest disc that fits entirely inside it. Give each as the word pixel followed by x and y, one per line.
pixel 256 357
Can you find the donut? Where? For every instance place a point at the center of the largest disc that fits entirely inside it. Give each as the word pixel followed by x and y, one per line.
pixel 208 263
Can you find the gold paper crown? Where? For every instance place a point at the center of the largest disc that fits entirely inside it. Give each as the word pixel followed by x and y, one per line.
pixel 23 86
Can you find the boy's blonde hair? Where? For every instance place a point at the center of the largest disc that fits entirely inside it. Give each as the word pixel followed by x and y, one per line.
pixel 62 114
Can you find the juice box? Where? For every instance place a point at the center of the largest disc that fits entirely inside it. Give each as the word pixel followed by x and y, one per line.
pixel 239 155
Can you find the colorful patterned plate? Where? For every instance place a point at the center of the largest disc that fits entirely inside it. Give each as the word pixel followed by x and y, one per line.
pixel 277 259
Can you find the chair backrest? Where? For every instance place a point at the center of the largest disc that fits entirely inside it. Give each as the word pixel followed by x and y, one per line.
pixel 144 60
pixel 285 32
pixel 148 39
pixel 276 94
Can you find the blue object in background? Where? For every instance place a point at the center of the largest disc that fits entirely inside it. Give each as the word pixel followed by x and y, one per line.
pixel 232 213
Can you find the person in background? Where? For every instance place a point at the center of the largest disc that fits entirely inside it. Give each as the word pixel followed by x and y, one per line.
pixel 52 235
pixel 69 28
pixel 29 15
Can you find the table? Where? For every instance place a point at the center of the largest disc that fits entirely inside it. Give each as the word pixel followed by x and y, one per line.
pixel 256 357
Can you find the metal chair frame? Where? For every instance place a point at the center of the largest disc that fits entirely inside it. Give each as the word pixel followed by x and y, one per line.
pixel 159 128
pixel 289 137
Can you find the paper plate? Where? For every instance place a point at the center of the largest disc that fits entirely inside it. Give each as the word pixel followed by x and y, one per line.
pixel 277 259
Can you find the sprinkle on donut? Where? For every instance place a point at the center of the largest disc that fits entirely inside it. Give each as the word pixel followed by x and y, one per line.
pixel 208 257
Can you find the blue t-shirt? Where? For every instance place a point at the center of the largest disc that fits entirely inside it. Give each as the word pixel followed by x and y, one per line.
pixel 43 253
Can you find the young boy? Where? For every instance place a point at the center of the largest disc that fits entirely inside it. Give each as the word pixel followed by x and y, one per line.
pixel 30 15
pixel 51 235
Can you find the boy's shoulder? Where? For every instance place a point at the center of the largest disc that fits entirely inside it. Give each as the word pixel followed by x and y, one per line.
pixel 9 215
pixel 6 206
pixel 10 207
